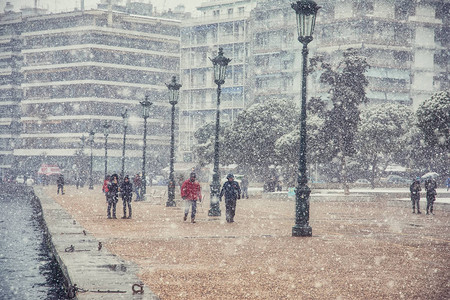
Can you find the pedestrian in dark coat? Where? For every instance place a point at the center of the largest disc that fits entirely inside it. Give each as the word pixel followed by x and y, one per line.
pixel 415 189
pixel 191 192
pixel 430 187
pixel 113 195
pixel 126 189
pixel 60 184
pixel 232 193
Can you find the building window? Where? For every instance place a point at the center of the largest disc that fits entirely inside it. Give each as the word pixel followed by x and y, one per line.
pixel 230 11
pixel 241 10
pixel 216 13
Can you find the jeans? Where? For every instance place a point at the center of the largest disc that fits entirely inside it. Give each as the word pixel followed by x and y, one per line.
pixel 187 205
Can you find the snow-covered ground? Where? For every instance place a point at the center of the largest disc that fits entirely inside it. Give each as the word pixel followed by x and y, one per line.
pixel 401 194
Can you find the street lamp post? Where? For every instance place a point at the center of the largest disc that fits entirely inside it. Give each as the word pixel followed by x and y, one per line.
pixel 125 125
pixel 91 141
pixel 306 11
pixel 145 114
pixel 220 64
pixel 106 127
pixel 174 94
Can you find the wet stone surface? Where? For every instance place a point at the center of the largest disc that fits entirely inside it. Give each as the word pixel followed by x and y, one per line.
pixel 359 250
pixel 27 269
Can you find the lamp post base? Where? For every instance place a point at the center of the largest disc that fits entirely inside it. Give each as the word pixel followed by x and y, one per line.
pixel 171 203
pixel 214 208
pixel 298 230
pixel 214 211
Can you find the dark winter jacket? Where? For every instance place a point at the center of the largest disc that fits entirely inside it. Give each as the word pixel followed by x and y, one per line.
pixel 430 187
pixel 231 190
pixel 415 190
pixel 113 190
pixel 191 190
pixel 60 180
pixel 126 188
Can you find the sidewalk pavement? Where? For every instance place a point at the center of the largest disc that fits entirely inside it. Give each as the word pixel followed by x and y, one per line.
pixel 374 249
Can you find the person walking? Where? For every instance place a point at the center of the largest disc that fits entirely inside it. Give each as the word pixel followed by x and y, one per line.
pixel 126 189
pixel 60 184
pixel 415 189
pixel 448 183
pixel 232 193
pixel 244 183
pixel 112 196
pixel 137 181
pixel 191 192
pixel 430 187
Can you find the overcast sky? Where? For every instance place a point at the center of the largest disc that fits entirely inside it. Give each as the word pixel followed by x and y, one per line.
pixel 67 5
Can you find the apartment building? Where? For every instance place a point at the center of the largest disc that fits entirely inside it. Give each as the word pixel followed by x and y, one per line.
pixel 405 42
pixel 71 72
pixel 10 90
pixel 221 24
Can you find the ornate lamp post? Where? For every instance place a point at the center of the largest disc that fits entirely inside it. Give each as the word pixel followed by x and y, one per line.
pixel 306 11
pixel 145 114
pixel 91 141
pixel 125 126
pixel 106 127
pixel 220 64
pixel 174 94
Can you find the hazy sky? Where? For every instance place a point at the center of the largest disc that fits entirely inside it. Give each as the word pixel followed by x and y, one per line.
pixel 66 5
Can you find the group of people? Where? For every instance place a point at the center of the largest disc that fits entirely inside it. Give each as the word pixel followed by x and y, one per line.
pixel 191 193
pixel 430 188
pixel 112 188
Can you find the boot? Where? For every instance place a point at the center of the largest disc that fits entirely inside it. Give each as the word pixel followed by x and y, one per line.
pixel 193 220
pixel 418 212
pixel 129 213
pixel 185 217
pixel 414 210
pixel 124 217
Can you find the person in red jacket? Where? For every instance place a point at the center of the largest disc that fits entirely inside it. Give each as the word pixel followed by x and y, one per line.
pixel 191 193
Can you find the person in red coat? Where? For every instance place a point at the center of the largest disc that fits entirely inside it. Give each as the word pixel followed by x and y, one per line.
pixel 191 193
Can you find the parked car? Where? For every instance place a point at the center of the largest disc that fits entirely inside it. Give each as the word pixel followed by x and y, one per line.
pixel 362 181
pixel 397 179
pixel 20 179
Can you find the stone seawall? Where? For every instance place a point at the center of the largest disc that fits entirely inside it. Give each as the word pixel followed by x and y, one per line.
pixel 90 271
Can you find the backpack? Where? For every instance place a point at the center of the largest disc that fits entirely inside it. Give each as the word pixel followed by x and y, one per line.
pixel 105 187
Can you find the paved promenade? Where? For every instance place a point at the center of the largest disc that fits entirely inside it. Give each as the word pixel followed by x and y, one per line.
pixel 361 248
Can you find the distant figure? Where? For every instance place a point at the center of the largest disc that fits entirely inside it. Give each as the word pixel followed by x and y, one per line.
pixel 244 183
pixel 126 188
pixel 448 183
pixel 415 189
pixel 430 187
pixel 191 192
pixel 77 181
pixel 232 193
pixel 137 181
pixel 279 186
pixel 60 184
pixel 113 191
